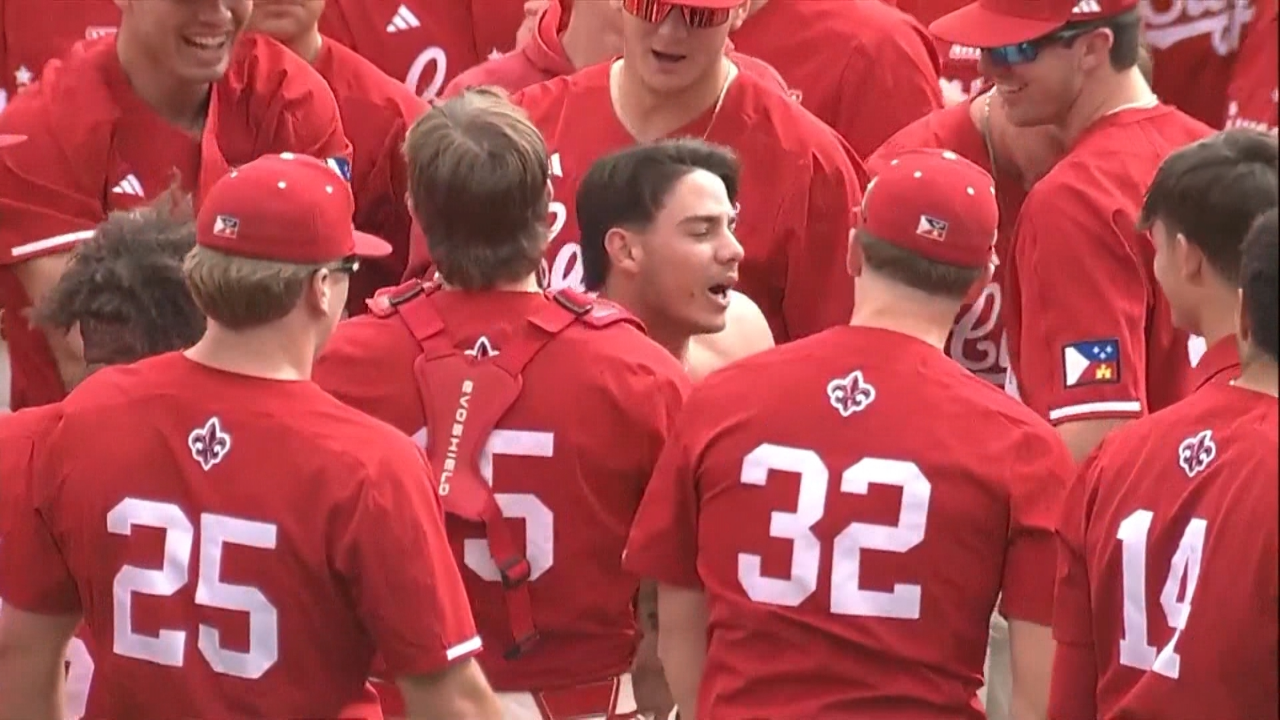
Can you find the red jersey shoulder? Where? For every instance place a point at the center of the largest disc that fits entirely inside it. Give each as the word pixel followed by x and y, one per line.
pixel 78 80
pixel 947 128
pixel 512 72
pixel 793 129
pixel 283 96
pixel 352 77
pixel 545 101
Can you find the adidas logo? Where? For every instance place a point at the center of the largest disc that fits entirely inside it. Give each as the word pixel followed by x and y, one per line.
pixel 1087 7
pixel 404 19
pixel 129 186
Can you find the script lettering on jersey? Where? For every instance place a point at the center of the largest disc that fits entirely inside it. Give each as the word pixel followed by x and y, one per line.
pixel 455 436
pixel 435 57
pixel 1222 20
pixel 978 341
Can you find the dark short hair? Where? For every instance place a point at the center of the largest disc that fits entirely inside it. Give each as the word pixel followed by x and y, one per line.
pixel 1211 192
pixel 125 285
pixel 628 189
pixel 916 271
pixel 1260 284
pixel 1126 30
pixel 478 173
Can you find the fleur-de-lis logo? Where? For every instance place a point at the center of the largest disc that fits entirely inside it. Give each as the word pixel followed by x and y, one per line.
pixel 850 394
pixel 1196 452
pixel 209 444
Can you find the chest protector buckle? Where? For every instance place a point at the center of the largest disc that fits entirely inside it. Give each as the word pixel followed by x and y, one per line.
pixel 464 398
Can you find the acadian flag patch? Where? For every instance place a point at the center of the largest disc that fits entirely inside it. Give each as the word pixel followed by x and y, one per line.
pixel 1092 362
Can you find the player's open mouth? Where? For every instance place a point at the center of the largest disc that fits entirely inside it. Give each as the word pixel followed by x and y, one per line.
pixel 720 293
pixel 667 58
pixel 1008 91
pixel 209 43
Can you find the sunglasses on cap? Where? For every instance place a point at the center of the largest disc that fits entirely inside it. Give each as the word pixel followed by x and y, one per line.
pixel 655 11
pixel 1026 52
pixel 347 265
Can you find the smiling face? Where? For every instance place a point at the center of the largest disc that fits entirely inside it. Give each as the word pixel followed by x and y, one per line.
pixel 1039 81
pixel 192 38
pixel 688 256
pixel 674 46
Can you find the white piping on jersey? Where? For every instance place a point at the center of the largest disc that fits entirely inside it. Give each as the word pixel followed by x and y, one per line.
pixel 1113 406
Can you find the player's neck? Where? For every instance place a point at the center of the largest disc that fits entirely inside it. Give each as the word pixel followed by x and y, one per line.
pixel 881 303
pixel 586 41
pixel 1217 318
pixel 656 325
pixel 1260 375
pixel 1109 94
pixel 650 115
pixel 307 45
pixel 182 103
pixel 269 351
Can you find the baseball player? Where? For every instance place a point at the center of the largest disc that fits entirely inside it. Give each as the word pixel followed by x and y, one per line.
pixel 1091 345
pixel 658 227
pixel 544 413
pixel 238 520
pixel 1200 205
pixel 177 92
pixel 825 511
pixel 1167 584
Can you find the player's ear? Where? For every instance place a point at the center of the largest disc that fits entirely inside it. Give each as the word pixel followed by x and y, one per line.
pixel 1242 318
pixel 1191 260
pixel 853 261
pixel 318 291
pixel 1095 49
pixel 739 16
pixel 623 250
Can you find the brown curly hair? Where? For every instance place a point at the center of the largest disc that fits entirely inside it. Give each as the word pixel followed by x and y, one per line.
pixel 125 287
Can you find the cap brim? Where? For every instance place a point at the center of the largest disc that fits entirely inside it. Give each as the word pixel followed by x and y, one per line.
pixel 7 140
pixel 976 26
pixel 370 246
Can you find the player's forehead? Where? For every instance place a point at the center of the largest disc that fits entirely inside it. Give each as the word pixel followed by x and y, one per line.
pixel 697 194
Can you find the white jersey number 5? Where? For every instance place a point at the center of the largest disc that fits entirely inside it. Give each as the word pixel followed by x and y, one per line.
pixel 847 595
pixel 168 647
pixel 539 523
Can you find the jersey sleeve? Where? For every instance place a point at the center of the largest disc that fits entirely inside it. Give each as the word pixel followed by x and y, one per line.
pixel 1082 351
pixel 663 544
pixel 33 572
pixel 362 349
pixel 902 69
pixel 1075 671
pixel 393 553
pixel 47 199
pixel 302 115
pixel 1040 480
pixel 818 292
pixel 334 24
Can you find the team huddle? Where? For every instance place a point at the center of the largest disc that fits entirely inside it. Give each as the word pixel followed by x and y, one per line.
pixel 628 388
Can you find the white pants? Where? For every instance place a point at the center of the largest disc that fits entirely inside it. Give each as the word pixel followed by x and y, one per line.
pixel 522 706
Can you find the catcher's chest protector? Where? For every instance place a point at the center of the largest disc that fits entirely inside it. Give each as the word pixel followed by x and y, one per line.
pixel 464 398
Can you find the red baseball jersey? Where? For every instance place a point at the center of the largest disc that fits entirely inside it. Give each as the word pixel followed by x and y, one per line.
pixel 959 62
pixel 568 474
pixel 33 33
pixel 800 183
pixel 1220 362
pixel 838 54
pixel 837 549
pixel 245 544
pixel 424 43
pixel 19 433
pixel 1193 47
pixel 376 113
pixel 1253 97
pixel 978 342
pixel 543 58
pixel 115 153
pixel 1167 588
pixel 1090 333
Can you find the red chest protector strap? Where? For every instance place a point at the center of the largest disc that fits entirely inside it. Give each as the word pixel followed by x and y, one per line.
pixel 464 398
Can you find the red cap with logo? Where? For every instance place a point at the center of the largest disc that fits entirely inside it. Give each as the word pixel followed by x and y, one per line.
pixel 7 140
pixel 287 208
pixel 995 23
pixel 935 204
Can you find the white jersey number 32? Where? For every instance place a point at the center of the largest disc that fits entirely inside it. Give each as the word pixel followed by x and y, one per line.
pixel 847 595
pixel 217 532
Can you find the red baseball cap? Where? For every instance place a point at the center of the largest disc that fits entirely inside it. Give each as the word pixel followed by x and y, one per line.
pixel 7 140
pixel 287 208
pixel 935 204
pixel 995 23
